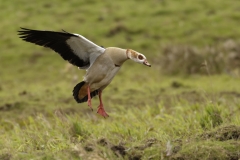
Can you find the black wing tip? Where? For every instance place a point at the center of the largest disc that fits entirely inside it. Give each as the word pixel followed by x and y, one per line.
pixel 23 29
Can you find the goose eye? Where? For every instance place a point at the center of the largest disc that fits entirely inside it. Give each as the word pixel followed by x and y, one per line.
pixel 140 57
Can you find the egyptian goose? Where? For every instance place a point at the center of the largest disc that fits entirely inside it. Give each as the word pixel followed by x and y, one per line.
pixel 101 64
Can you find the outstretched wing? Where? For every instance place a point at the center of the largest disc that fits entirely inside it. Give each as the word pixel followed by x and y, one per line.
pixel 74 48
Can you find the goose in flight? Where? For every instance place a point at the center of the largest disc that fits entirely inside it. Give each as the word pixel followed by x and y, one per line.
pixel 102 64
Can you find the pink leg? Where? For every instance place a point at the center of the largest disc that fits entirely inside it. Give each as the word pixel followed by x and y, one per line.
pixel 101 110
pixel 89 98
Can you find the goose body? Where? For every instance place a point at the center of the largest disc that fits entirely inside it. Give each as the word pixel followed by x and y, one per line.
pixel 107 68
pixel 101 64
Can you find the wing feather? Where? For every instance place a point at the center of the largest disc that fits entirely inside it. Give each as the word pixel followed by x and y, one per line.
pixel 74 48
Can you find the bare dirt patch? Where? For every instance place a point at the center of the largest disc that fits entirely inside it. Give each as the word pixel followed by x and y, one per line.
pixel 221 143
pixel 231 132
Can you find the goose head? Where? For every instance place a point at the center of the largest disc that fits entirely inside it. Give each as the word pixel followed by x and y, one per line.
pixel 137 57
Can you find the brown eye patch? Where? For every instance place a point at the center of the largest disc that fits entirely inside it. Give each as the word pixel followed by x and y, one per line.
pixel 140 57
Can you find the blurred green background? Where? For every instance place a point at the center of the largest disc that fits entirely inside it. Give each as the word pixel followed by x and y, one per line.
pixel 189 95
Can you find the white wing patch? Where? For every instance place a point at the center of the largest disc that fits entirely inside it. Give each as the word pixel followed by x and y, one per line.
pixel 85 49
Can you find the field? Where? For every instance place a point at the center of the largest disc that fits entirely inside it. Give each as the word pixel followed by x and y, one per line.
pixel 186 106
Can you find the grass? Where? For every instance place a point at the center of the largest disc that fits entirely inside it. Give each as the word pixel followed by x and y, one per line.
pixel 173 110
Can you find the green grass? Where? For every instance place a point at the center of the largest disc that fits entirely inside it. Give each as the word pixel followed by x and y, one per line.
pixel 172 110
